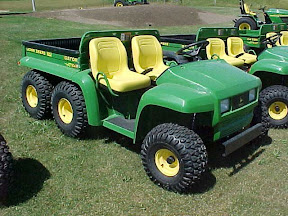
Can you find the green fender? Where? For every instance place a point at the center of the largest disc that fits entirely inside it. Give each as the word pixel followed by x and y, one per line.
pixel 181 99
pixel 271 66
pixel 82 79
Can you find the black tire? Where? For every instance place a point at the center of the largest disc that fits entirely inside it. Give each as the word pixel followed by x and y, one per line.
pixel 274 102
pixel 6 169
pixel 246 21
pixel 179 142
pixel 68 96
pixel 119 2
pixel 36 82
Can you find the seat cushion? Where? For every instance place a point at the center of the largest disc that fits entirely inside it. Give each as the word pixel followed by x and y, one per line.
pixel 248 58
pixel 127 81
pixel 234 61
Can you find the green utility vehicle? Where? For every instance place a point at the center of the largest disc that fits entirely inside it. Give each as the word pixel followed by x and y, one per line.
pixel 253 39
pixel 92 81
pixel 271 65
pixel 249 19
pixel 122 3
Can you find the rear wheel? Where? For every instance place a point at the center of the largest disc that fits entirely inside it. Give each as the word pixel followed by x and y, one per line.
pixel 36 94
pixel 246 23
pixel 173 157
pixel 274 102
pixel 69 109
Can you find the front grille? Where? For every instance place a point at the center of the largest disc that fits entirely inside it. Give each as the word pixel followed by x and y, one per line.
pixel 240 100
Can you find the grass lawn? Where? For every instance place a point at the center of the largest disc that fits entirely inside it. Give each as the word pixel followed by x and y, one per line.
pixel 103 174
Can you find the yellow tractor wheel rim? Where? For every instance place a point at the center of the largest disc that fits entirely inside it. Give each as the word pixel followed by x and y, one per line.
pixel 244 26
pixel 278 110
pixel 31 96
pixel 167 162
pixel 119 4
pixel 65 110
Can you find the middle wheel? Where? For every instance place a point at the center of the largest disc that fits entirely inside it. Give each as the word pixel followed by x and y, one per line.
pixel 173 156
pixel 69 110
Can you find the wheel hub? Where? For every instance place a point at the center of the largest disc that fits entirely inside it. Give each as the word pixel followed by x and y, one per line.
pixel 167 162
pixel 244 26
pixel 65 110
pixel 31 96
pixel 278 110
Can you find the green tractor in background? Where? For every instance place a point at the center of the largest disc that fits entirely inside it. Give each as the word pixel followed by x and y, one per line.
pixel 249 19
pixel 122 3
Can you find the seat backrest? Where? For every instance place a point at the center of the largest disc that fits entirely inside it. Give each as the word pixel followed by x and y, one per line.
pixel 107 55
pixel 235 46
pixel 284 38
pixel 147 52
pixel 215 46
pixel 248 11
pixel 269 34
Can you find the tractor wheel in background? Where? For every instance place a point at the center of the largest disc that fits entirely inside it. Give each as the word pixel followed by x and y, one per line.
pixel 69 109
pixel 173 157
pixel 36 94
pixel 245 23
pixel 119 3
pixel 6 169
pixel 274 102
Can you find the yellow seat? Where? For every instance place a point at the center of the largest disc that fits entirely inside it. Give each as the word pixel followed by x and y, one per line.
pixel 235 47
pixel 269 34
pixel 248 11
pixel 216 46
pixel 284 38
pixel 147 55
pixel 108 55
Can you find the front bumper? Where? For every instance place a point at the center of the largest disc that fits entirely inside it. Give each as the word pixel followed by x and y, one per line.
pixel 241 139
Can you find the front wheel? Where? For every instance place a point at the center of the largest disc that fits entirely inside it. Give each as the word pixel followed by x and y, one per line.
pixel 246 23
pixel 173 157
pixel 274 102
pixel 69 110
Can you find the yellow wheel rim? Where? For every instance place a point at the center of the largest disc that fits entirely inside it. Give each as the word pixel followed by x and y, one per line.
pixel 65 110
pixel 278 110
pixel 119 4
pixel 31 96
pixel 167 162
pixel 244 26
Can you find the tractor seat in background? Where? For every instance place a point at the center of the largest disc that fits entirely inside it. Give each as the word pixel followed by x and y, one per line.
pixel 108 55
pixel 269 34
pixel 248 11
pixel 235 48
pixel 216 46
pixel 148 56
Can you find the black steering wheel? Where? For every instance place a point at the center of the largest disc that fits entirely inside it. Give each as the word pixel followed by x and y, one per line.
pixel 195 51
pixel 272 40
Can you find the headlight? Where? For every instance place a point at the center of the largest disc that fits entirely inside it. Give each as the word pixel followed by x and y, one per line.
pixel 225 105
pixel 252 95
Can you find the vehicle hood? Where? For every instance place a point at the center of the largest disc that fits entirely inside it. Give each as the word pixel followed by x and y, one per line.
pixel 279 53
pixel 210 76
pixel 277 11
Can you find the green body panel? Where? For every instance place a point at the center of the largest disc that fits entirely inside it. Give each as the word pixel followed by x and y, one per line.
pixel 277 15
pixel 188 89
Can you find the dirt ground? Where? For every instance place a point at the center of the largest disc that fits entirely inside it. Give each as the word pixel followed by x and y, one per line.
pixel 138 16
